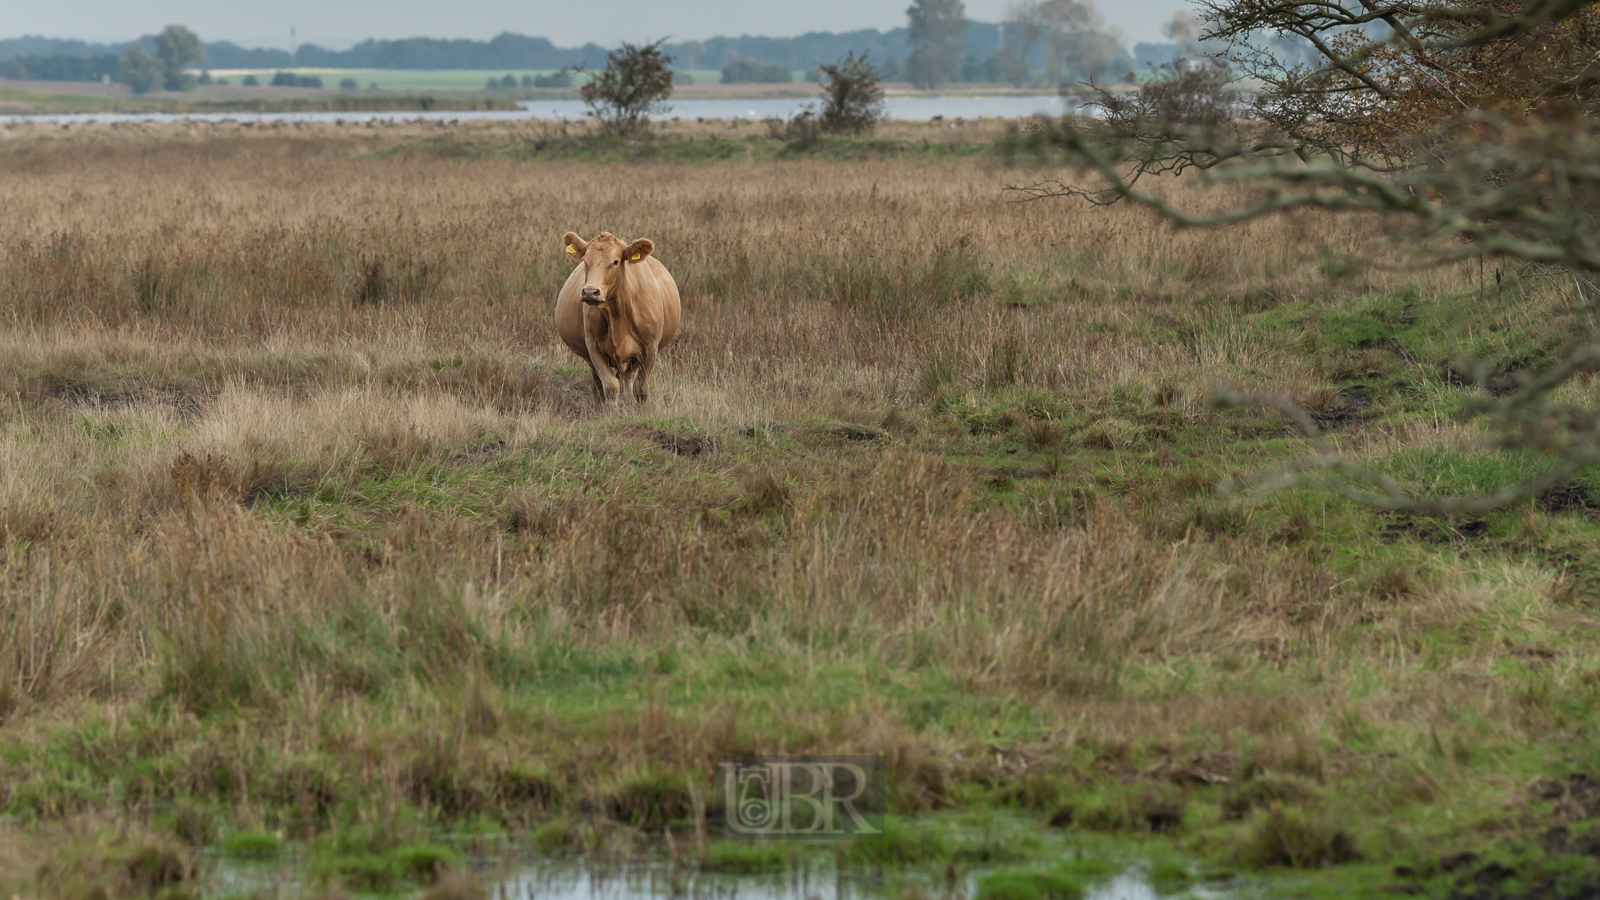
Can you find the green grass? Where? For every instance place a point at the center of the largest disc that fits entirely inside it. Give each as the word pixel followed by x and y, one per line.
pixel 250 844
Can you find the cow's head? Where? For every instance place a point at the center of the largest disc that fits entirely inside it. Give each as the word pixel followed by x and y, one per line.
pixel 604 259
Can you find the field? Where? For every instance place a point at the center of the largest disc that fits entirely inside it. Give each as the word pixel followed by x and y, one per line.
pixel 311 539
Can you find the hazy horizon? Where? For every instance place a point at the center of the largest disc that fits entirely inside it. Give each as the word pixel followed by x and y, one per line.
pixel 336 27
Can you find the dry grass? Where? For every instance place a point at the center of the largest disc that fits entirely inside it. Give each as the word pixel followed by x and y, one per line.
pixel 286 435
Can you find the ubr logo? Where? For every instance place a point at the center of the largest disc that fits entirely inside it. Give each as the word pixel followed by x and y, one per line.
pixel 801 797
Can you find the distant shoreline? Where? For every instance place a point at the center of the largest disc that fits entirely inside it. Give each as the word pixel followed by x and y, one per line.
pixel 65 97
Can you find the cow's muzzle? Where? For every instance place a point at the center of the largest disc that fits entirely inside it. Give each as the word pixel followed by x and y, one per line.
pixel 591 296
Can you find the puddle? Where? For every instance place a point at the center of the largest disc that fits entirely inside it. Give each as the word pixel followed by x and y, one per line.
pixel 572 879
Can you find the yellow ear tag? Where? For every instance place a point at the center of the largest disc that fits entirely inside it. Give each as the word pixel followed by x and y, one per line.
pixel 573 250
pixel 636 256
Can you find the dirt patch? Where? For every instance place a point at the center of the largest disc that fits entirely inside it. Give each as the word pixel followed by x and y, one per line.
pixel 188 404
pixel 690 445
pixel 1348 407
pixel 1572 799
pixel 1389 345
pixel 1498 384
pixel 475 456
pixel 1193 771
pixel 1536 654
pixel 1568 497
pixel 1434 530
pixel 859 433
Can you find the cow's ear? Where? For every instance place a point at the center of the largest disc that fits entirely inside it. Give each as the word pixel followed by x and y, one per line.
pixel 574 245
pixel 639 249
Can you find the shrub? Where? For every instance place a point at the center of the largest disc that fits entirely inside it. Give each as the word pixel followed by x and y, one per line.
pixel 560 78
pixel 852 96
pixel 749 71
pixel 140 71
pixel 635 83
pixel 290 79
pixel 803 130
pixel 348 84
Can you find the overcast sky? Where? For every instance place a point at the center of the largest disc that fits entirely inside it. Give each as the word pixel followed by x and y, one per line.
pixel 605 23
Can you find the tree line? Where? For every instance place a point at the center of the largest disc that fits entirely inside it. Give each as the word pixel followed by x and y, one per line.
pixel 1040 41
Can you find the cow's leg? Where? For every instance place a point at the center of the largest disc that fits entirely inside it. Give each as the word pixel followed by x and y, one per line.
pixel 594 383
pixel 610 387
pixel 629 379
pixel 606 386
pixel 641 385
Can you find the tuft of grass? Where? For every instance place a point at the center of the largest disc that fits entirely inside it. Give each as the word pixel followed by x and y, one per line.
pixel 250 845
pixel 1029 884
pixel 745 858
pixel 1300 838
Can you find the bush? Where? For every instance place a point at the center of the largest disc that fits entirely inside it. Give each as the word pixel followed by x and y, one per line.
pixel 140 71
pixel 250 81
pixel 560 78
pixel 852 97
pixel 635 84
pixel 802 131
pixel 749 71
pixel 290 79
pixel 348 84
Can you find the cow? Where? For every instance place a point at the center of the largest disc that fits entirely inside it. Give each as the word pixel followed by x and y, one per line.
pixel 617 310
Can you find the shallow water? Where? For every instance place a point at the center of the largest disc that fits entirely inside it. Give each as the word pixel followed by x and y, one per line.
pixel 816 879
pixel 908 108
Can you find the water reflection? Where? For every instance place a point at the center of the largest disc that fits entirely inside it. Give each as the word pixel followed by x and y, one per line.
pixel 817 878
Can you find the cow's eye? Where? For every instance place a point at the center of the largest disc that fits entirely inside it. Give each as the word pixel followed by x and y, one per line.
pixel 614 262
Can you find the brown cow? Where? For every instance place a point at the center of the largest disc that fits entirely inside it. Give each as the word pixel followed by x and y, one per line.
pixel 617 310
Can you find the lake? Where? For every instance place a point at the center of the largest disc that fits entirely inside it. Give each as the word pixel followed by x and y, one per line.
pixel 911 108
